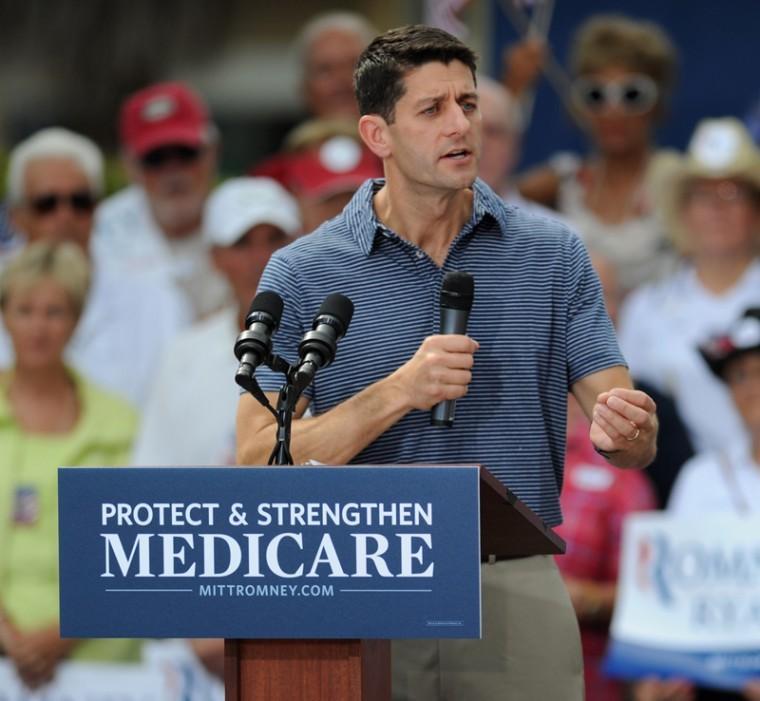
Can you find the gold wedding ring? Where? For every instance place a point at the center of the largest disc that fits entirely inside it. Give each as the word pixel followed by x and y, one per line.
pixel 636 433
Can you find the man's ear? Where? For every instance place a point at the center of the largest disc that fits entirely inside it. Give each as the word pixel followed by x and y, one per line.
pixel 375 134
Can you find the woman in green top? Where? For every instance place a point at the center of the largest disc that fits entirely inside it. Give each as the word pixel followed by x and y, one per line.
pixel 49 416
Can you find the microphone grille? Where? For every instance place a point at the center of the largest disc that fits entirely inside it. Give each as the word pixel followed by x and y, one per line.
pixel 269 302
pixel 339 306
pixel 457 291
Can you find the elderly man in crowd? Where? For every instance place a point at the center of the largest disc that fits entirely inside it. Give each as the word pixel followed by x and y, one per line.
pixel 329 46
pixel 245 221
pixel 322 160
pixel 170 153
pixel 55 178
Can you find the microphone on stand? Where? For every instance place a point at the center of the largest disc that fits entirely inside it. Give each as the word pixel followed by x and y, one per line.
pixel 318 346
pixel 457 294
pixel 254 345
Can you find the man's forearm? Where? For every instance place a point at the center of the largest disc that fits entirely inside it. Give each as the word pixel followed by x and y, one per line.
pixel 336 436
pixel 439 370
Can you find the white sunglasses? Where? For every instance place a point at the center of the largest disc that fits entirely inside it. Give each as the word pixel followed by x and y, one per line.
pixel 635 94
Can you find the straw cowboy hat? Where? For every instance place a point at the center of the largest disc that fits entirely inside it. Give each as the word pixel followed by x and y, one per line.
pixel 719 149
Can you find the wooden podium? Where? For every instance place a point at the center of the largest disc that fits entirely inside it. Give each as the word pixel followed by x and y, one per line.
pixel 307 670
pixel 360 670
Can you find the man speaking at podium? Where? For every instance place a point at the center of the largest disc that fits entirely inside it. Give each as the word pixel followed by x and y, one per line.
pixel 537 328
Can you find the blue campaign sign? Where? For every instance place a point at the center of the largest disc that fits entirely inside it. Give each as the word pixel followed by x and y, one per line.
pixel 285 552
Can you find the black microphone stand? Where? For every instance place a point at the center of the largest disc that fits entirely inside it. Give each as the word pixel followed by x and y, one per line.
pixel 286 404
pixel 290 393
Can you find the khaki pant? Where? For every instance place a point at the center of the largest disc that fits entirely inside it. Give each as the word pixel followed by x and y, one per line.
pixel 530 650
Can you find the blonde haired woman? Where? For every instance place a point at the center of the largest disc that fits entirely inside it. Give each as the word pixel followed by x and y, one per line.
pixel 49 416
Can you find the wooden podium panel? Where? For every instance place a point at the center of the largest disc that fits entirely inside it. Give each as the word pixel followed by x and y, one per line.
pixel 307 670
pixel 508 528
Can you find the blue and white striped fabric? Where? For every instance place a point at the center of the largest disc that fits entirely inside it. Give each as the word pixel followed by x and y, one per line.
pixel 538 315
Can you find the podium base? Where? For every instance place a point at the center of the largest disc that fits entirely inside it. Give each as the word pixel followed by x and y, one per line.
pixel 307 670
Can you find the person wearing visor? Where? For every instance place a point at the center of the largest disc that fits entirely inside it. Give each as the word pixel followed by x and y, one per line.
pixel 623 72
pixel 169 146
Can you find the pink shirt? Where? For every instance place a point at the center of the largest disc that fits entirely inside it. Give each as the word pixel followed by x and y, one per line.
pixel 595 499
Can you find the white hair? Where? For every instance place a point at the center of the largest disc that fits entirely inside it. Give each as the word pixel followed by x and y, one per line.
pixel 54 142
pixel 508 102
pixel 349 22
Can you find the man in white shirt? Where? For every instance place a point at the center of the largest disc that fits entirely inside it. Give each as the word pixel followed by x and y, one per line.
pixel 154 226
pixel 728 481
pixel 190 415
pixel 328 47
pixel 54 180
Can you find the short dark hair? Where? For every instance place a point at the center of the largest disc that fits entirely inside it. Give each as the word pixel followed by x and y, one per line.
pixel 380 70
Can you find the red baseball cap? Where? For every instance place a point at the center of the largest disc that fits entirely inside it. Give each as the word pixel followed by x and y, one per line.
pixel 339 164
pixel 164 114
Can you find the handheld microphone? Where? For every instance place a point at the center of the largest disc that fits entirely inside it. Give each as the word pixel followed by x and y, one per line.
pixel 318 346
pixel 457 294
pixel 254 345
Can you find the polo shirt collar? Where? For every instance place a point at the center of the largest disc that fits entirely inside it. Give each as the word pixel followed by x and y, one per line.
pixel 365 226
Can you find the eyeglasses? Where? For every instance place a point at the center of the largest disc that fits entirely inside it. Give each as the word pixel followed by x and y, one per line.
pixel 634 94
pixel 159 157
pixel 81 202
pixel 726 192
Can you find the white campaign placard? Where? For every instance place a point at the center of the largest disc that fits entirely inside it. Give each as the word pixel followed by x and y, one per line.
pixel 169 673
pixel 688 600
pixel 81 680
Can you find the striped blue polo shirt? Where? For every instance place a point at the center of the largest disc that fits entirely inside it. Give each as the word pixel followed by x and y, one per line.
pixel 538 314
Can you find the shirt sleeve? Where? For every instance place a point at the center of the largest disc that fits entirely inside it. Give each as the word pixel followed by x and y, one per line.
pixel 591 341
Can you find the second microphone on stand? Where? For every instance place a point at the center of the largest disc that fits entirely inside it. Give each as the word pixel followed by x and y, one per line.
pixel 318 346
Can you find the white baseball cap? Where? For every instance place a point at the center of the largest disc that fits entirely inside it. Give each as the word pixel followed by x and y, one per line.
pixel 239 204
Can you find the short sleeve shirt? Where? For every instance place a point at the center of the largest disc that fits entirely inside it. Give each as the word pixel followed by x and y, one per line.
pixel 538 314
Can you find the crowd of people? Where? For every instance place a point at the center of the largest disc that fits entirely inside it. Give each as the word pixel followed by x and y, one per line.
pixel 103 295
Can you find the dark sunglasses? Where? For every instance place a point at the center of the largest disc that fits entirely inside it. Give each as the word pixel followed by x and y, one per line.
pixel 635 94
pixel 158 157
pixel 79 202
